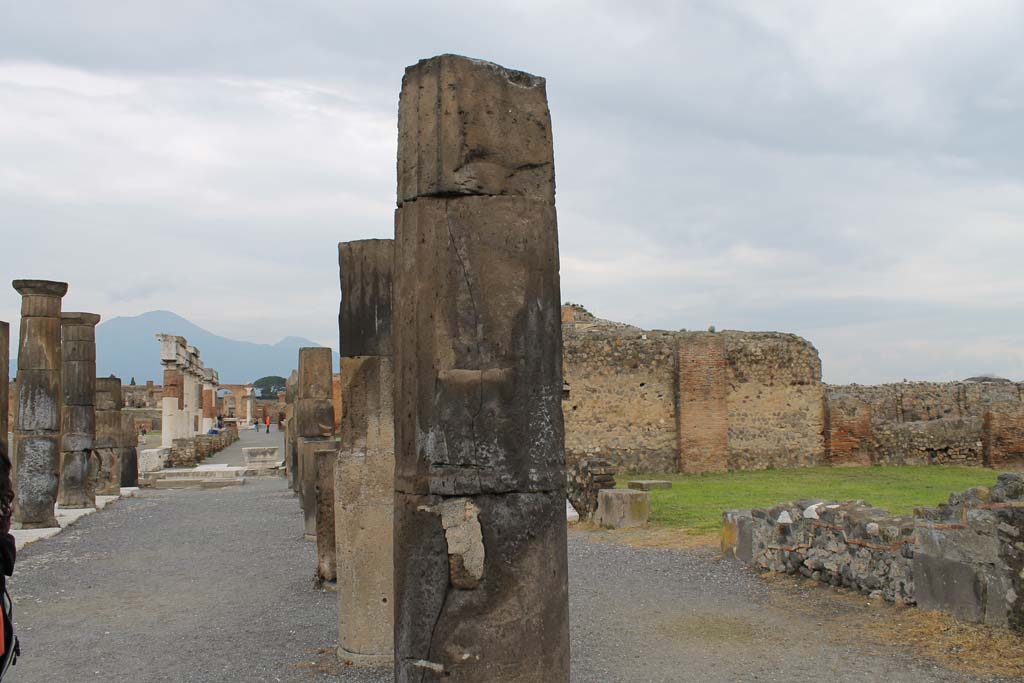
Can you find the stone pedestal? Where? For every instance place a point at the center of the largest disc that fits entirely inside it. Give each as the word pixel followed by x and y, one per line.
pixel 481 585
pixel 78 415
pixel 620 508
pixel 109 438
pixel 37 432
pixel 364 488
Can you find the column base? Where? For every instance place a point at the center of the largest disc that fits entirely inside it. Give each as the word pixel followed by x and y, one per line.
pixel 359 659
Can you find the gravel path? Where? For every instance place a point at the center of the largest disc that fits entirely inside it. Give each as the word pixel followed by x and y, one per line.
pixel 216 585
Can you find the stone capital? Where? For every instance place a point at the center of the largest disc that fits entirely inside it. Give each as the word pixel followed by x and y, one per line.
pixel 40 287
pixel 78 318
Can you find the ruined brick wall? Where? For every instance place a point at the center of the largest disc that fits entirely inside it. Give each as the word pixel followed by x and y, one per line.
pixel 917 422
pixel 619 399
pixel 658 401
pixel 775 401
pixel 1003 438
pixel 702 413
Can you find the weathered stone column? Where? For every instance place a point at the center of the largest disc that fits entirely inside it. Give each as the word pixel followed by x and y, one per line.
pixel 326 558
pixel 108 436
pixel 37 432
pixel 78 415
pixel 5 386
pixel 364 487
pixel 210 381
pixel 170 407
pixel 314 425
pixel 129 451
pixel 480 532
pixel 291 456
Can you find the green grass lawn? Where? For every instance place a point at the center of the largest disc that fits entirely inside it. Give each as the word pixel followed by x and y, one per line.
pixel 696 501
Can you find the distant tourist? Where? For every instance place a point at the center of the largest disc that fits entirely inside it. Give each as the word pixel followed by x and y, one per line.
pixel 268 423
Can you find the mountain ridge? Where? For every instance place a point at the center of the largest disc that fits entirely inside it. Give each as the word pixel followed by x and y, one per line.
pixel 126 347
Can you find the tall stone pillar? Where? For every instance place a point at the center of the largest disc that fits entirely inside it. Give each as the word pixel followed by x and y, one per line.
pixel 37 432
pixel 250 404
pixel 109 437
pixel 291 456
pixel 210 381
pixel 364 486
pixel 78 416
pixel 480 533
pixel 314 425
pixel 5 387
pixel 129 451
pixel 170 407
pixel 326 557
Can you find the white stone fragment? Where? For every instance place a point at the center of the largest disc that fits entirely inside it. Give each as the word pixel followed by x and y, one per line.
pixel 570 513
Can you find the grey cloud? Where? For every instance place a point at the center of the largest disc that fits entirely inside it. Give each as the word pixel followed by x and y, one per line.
pixel 854 176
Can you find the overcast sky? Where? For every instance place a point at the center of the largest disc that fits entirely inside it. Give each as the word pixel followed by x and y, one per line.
pixel 849 171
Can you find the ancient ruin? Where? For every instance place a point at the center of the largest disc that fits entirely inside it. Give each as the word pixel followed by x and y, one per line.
pixel 5 374
pixel 671 401
pixel 480 462
pixel 189 391
pixel 364 487
pixel 37 432
pixel 314 428
pixel 109 436
pixel 962 557
pixel 78 415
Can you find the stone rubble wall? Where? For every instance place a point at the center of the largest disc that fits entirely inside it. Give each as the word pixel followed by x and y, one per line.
pixel 662 401
pixel 1002 437
pixel 926 423
pixel 965 557
pixel 191 452
pixel 584 481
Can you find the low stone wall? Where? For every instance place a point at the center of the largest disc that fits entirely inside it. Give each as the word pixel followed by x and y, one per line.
pixel 584 481
pixel 843 544
pixel 965 557
pixel 190 452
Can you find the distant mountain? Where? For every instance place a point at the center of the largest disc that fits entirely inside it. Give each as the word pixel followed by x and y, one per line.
pixel 127 347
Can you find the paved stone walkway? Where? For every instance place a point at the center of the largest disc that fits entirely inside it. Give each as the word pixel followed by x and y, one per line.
pixel 216 585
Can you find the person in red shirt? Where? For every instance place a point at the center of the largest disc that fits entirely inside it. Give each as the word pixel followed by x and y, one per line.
pixel 268 423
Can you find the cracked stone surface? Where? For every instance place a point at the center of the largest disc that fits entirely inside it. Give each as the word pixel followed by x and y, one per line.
pixel 480 568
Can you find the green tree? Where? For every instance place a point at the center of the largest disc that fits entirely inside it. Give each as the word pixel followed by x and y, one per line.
pixel 270 385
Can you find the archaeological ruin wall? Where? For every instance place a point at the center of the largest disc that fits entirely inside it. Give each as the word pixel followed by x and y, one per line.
pixel 976 422
pixel 662 401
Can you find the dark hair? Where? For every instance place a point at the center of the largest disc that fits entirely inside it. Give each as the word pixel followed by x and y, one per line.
pixel 6 488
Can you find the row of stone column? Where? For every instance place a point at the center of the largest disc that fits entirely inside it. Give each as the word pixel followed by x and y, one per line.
pixel 446 523
pixel 71 439
pixel 189 403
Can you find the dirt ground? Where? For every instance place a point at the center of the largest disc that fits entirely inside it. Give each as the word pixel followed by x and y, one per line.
pixel 216 585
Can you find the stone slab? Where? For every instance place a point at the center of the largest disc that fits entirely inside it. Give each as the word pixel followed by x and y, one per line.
pixel 23 537
pixel 570 513
pixel 621 508
pixel 153 459
pixel 949 586
pixel 649 484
